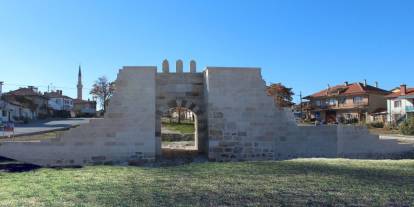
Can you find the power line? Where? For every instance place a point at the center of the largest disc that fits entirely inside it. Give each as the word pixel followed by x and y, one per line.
pixel 45 86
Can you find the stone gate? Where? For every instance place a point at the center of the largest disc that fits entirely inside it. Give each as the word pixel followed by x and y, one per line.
pixel 236 121
pixel 182 90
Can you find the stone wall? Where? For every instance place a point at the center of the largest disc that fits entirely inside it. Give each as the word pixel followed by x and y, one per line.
pixel 357 142
pixel 125 134
pixel 243 124
pixel 307 141
pixel 177 137
pixel 240 121
pixel 236 120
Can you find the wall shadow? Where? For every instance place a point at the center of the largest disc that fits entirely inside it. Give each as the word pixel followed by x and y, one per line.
pixel 13 166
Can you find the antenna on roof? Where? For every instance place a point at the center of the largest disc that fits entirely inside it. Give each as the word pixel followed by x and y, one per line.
pixel 329 88
pixel 365 82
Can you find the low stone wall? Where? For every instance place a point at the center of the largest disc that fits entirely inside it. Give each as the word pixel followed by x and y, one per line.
pixel 358 142
pixel 177 137
pixel 307 141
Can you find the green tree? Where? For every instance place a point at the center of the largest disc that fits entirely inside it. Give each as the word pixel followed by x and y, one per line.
pixel 281 94
pixel 407 127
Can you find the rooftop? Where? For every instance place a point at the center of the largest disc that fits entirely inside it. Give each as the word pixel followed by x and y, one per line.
pixel 56 94
pixel 349 89
pixel 29 91
pixel 397 93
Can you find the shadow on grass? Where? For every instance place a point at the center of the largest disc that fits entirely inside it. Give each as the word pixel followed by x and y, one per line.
pixel 364 174
pixel 12 166
pixel 361 173
pixel 325 183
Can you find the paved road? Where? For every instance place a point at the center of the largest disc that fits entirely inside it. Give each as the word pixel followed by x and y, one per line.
pixel 47 125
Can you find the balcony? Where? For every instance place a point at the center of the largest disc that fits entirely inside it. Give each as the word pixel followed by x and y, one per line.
pixel 409 109
pixel 341 106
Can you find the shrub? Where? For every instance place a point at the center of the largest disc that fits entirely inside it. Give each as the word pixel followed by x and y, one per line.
pixel 25 120
pixel 376 124
pixel 350 121
pixel 390 126
pixel 407 127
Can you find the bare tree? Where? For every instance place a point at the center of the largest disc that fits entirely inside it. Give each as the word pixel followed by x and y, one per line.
pixel 102 89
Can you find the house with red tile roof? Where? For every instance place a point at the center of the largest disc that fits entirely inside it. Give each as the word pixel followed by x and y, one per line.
pixel 58 101
pixel 59 104
pixel 32 96
pixel 400 104
pixel 12 110
pixel 347 103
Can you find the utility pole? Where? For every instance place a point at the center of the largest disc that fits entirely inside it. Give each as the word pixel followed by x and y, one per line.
pixel 301 109
pixel 50 87
pixel 1 88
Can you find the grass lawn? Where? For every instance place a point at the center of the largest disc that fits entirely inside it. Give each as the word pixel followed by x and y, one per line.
pixel 183 128
pixel 312 182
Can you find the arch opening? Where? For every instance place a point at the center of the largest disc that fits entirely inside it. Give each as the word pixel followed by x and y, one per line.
pixel 179 132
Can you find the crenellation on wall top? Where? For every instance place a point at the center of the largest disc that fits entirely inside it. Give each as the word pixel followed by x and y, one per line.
pixel 179 68
pixel 165 66
pixel 193 66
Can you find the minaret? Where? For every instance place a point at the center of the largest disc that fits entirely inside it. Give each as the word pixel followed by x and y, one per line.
pixel 80 86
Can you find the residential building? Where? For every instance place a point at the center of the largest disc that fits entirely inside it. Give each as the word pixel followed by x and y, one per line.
pixel 31 97
pixel 302 110
pixel 84 108
pixel 400 104
pixel 11 110
pixel 60 105
pixel 348 103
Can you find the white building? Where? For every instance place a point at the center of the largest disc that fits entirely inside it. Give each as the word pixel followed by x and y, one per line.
pixel 400 104
pixel 14 111
pixel 59 102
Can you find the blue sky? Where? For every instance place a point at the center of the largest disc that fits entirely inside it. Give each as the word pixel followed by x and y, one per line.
pixel 302 43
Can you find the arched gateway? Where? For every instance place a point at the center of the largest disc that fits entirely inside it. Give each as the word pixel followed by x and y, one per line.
pixel 236 121
pixel 182 90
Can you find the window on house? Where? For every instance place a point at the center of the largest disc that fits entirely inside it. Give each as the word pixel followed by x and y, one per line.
pixel 3 113
pixel 358 100
pixel 342 100
pixel 397 104
pixel 318 103
pixel 331 102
